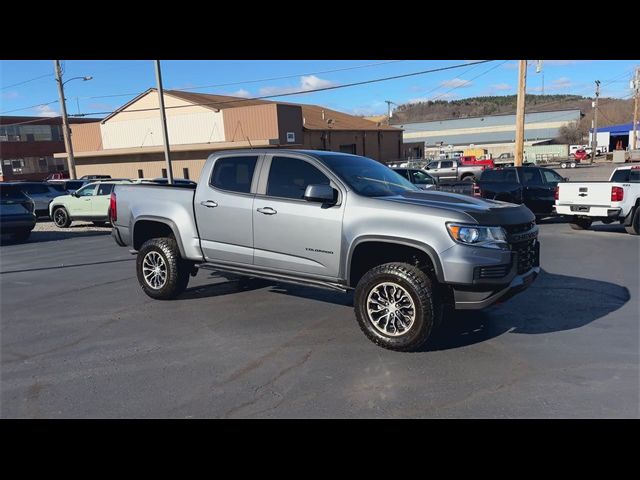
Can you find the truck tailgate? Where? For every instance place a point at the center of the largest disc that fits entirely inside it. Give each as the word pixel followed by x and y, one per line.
pixel 585 193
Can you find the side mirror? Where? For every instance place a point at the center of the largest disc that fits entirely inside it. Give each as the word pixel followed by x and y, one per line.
pixel 75 194
pixel 321 193
pixel 566 179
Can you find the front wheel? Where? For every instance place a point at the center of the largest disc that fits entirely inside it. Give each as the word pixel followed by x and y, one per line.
pixel 396 306
pixel 61 218
pixel 162 273
pixel 581 224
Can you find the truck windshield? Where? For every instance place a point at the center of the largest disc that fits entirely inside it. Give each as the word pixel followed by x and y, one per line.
pixel 368 177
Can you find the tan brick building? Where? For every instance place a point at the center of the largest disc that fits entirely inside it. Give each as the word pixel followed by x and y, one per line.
pixel 128 143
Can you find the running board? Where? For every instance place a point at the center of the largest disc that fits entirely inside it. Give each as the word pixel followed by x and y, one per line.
pixel 273 276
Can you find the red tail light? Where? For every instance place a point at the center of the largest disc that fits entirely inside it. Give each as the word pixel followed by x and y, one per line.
pixel 557 195
pixel 113 208
pixel 476 190
pixel 617 194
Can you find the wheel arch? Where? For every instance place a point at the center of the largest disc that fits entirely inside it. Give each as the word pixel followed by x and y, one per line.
pixel 375 241
pixel 147 227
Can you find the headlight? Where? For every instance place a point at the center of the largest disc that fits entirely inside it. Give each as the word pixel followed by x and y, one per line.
pixel 490 237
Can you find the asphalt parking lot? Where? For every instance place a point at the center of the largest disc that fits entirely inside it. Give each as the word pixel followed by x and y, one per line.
pixel 79 339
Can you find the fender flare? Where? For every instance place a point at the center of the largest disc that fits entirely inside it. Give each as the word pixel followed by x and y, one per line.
pixel 166 221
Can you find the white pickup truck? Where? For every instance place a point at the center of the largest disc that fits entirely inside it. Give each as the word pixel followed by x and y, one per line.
pixel 617 199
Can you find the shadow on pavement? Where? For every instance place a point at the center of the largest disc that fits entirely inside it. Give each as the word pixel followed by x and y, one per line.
pixel 552 304
pixel 53 235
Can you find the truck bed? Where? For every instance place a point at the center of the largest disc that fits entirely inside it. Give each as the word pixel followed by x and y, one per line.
pixel 150 201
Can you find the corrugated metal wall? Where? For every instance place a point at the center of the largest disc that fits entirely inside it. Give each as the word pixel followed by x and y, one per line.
pixel 255 122
pixel 85 137
pixel 201 127
pixel 531 152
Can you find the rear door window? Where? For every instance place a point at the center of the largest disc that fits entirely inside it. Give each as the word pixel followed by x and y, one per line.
pixel 105 189
pixel 234 174
pixel 531 176
pixel 446 164
pixel 550 176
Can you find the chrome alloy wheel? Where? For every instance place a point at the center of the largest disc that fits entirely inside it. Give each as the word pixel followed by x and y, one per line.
pixel 391 309
pixel 154 270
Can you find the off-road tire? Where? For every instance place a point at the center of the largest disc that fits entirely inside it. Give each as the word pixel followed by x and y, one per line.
pixel 177 270
pixel 60 217
pixel 419 286
pixel 634 228
pixel 581 224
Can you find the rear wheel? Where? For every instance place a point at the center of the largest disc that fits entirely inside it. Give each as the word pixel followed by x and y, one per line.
pixel 563 165
pixel 581 224
pixel 468 178
pixel 634 228
pixel 162 273
pixel 397 306
pixel 61 218
pixel 572 164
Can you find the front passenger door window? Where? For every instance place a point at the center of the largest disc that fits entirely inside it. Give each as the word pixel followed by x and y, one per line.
pixel 289 177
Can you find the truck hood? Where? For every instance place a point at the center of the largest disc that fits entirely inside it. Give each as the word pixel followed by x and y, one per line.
pixel 483 211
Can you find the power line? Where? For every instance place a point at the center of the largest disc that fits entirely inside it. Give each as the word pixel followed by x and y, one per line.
pixel 258 80
pixel 470 80
pixel 299 92
pixel 5 87
pixel 27 108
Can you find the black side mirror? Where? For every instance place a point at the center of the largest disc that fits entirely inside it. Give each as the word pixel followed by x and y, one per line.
pixel 566 179
pixel 321 193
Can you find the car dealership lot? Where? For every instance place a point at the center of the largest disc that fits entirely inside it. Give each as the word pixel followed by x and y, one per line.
pixel 80 339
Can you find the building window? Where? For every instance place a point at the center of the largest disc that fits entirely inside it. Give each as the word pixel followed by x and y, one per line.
pixel 185 173
pixel 42 164
pixel 350 148
pixel 164 173
pixel 140 173
pixel 17 165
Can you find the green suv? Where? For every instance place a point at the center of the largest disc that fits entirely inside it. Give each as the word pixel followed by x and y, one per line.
pixel 89 203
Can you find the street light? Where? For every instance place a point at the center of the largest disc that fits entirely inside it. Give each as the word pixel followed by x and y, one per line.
pixel 65 122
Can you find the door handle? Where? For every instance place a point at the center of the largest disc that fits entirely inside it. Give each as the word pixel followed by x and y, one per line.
pixel 208 203
pixel 267 211
pixel 87 199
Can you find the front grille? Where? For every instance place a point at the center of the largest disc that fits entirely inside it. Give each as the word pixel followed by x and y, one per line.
pixel 520 228
pixel 527 254
pixel 496 271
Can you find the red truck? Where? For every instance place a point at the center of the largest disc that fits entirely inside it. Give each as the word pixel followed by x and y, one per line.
pixel 472 160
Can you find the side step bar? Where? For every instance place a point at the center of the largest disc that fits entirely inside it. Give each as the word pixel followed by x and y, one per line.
pixel 273 276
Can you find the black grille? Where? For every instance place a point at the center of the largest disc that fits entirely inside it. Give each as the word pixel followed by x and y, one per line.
pixel 520 228
pixel 496 271
pixel 527 255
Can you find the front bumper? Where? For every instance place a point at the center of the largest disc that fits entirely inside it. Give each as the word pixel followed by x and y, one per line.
pixel 474 299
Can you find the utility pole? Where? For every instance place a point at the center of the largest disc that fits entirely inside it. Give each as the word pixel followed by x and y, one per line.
pixel 636 88
pixel 163 120
pixel 71 161
pixel 522 87
pixel 594 138
pixel 389 103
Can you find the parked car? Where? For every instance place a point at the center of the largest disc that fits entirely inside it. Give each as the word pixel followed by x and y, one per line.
pixel 17 212
pixel 532 186
pixel 89 203
pixel 41 193
pixel 331 220
pixel 67 186
pixel 418 177
pixel 451 170
pixel 616 200
pixel 94 177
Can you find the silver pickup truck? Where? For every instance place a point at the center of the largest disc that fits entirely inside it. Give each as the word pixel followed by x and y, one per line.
pixel 331 220
pixel 452 170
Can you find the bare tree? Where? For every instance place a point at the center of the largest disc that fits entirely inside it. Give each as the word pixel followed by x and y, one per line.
pixel 572 133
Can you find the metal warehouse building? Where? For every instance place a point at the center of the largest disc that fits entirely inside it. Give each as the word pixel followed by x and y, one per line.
pixel 128 143
pixel 613 136
pixel 496 131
